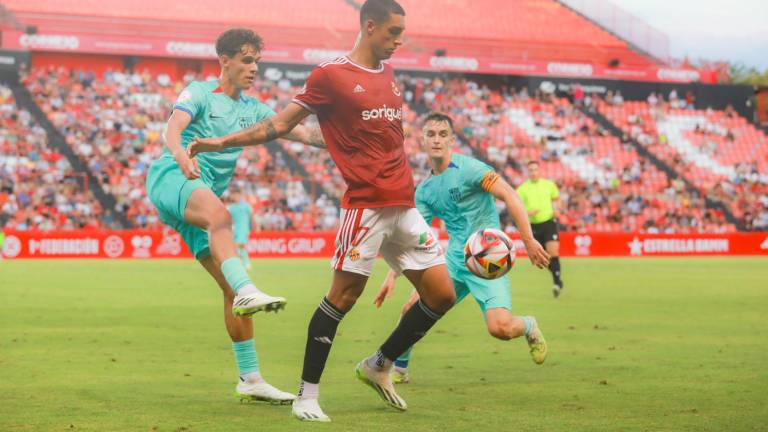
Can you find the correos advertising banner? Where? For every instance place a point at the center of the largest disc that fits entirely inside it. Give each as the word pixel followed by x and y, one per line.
pixel 140 45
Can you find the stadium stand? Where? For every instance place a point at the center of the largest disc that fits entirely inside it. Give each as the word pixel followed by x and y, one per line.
pixel 114 125
pixel 606 185
pixel 719 152
pixel 39 190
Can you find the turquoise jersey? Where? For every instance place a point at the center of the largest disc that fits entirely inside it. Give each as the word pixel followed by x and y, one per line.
pixel 215 114
pixel 241 221
pixel 457 197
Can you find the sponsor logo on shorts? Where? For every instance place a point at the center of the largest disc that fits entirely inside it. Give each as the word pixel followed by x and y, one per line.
pixel 426 241
pixel 354 255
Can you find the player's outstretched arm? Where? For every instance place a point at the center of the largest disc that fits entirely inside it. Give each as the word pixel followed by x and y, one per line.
pixel 310 137
pixel 261 132
pixel 386 290
pixel 503 191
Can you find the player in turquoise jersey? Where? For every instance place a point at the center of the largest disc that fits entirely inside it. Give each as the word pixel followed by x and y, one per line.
pixel 241 225
pixel 461 192
pixel 187 191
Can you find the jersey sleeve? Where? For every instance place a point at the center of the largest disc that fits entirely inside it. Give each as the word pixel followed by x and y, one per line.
pixel 316 92
pixel 554 193
pixel 422 206
pixel 191 100
pixel 480 174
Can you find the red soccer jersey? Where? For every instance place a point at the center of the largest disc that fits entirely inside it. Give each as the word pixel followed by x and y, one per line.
pixel 361 116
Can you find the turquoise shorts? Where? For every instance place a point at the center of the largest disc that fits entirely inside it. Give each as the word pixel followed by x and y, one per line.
pixel 488 294
pixel 169 191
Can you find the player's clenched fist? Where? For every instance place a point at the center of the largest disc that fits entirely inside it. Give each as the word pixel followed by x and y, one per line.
pixel 205 145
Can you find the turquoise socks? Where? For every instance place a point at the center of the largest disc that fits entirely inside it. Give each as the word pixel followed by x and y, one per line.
pixel 246 358
pixel 235 273
pixel 402 361
pixel 528 324
pixel 243 257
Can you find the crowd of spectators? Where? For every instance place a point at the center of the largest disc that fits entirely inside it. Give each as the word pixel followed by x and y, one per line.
pixel 38 188
pixel 719 153
pixel 114 123
pixel 632 196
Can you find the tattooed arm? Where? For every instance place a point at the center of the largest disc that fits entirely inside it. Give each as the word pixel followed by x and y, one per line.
pixel 310 137
pixel 261 132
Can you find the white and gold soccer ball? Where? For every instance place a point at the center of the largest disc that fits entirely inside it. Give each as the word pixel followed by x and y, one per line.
pixel 489 253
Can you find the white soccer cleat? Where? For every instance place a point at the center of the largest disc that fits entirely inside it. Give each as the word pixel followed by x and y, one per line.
pixel 537 343
pixel 308 409
pixel 382 383
pixel 249 304
pixel 262 391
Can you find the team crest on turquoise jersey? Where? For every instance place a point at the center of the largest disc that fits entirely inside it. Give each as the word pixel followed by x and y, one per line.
pixel 246 122
pixel 455 194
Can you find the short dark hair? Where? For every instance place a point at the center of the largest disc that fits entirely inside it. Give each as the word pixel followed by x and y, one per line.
pixel 231 41
pixel 439 117
pixel 532 162
pixel 379 10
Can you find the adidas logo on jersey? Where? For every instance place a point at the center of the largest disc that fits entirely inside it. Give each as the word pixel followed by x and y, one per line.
pixel 358 89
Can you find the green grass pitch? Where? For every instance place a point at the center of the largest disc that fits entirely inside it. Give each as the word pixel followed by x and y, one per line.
pixel 635 345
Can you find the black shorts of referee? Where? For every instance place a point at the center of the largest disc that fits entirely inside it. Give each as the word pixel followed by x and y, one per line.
pixel 546 232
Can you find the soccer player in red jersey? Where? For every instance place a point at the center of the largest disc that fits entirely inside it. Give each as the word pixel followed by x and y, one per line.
pixel 359 106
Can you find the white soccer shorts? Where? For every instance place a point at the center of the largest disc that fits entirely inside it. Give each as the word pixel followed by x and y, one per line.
pixel 400 234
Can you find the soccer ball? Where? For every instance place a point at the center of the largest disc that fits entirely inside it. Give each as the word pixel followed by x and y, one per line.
pixel 489 253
